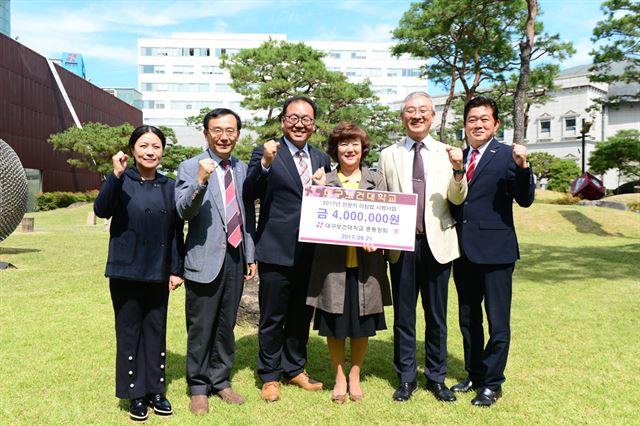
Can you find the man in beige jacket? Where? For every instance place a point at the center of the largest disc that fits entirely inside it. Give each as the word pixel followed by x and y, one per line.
pixel 434 171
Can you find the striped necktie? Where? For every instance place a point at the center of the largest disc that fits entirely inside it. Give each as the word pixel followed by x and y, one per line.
pixel 232 212
pixel 472 164
pixel 303 167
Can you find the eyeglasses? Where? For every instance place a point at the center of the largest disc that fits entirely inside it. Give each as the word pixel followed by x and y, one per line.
pixel 294 119
pixel 217 131
pixel 421 111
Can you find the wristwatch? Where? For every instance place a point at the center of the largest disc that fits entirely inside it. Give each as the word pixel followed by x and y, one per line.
pixel 459 172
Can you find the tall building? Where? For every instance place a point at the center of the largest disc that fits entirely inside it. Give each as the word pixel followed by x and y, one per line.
pixel 179 75
pixel 5 17
pixel 555 127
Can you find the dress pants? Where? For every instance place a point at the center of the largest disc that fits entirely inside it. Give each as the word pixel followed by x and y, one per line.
pixel 475 282
pixel 211 310
pixel 284 319
pixel 419 272
pixel 141 323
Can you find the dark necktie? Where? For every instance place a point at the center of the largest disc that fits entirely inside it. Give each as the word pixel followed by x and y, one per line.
pixel 472 164
pixel 232 212
pixel 419 185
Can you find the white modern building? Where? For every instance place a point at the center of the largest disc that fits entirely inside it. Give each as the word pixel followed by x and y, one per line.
pixel 181 74
pixel 555 126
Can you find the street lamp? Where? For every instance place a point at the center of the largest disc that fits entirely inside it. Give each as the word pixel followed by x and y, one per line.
pixel 586 125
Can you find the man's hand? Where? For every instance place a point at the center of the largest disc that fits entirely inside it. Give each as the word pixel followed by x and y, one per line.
pixel 251 271
pixel 269 151
pixel 455 157
pixel 205 168
pixel 520 155
pixel 319 177
pixel 368 247
pixel 175 282
pixel 119 163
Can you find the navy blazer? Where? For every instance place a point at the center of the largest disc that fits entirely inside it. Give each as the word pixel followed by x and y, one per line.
pixel 486 232
pixel 280 193
pixel 146 236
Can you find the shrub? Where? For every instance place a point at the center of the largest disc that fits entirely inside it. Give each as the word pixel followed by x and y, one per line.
pixel 54 200
pixel 561 174
pixel 565 199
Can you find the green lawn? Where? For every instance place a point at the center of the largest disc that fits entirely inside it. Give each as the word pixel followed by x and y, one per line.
pixel 574 358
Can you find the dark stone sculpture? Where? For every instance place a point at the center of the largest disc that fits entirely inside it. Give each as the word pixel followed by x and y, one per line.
pixel 13 190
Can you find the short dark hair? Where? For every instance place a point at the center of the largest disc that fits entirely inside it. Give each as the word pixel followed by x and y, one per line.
pixel 218 112
pixel 479 101
pixel 345 131
pixel 293 99
pixel 141 130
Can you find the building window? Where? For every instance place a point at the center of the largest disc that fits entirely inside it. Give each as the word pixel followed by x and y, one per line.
pixel 211 69
pixel 223 88
pixel 545 128
pixel 570 124
pixel 384 90
pixel 381 54
pixel 226 51
pixel 500 134
pixel 151 69
pixel 359 54
pixel 183 69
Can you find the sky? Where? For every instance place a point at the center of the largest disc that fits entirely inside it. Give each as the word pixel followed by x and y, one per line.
pixel 106 32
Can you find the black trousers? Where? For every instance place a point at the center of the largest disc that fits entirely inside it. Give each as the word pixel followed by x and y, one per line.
pixel 284 319
pixel 141 323
pixel 419 272
pixel 491 283
pixel 211 310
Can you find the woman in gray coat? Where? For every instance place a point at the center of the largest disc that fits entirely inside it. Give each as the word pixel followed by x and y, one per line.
pixel 348 286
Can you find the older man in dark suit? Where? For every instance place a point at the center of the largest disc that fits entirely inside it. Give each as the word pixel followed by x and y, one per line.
pixel 278 171
pixel 497 174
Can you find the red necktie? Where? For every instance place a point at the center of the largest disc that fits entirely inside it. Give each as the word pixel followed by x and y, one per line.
pixel 472 164
pixel 303 168
pixel 232 212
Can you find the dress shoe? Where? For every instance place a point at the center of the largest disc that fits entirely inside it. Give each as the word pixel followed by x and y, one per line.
pixel 199 404
pixel 465 386
pixel 440 391
pixel 304 381
pixel 138 409
pixel 339 399
pixel 270 391
pixel 404 391
pixel 229 396
pixel 486 397
pixel 160 404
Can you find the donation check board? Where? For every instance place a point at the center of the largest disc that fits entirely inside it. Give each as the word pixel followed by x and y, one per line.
pixel 353 217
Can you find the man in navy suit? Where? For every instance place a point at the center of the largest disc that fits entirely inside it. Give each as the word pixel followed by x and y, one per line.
pixel 278 170
pixel 219 251
pixel 497 174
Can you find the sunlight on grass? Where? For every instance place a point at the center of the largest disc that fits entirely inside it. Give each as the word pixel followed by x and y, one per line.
pixel 574 355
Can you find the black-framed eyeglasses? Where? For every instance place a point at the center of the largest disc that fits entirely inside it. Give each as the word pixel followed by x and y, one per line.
pixel 294 119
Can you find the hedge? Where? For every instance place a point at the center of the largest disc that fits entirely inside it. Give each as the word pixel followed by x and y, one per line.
pixel 54 200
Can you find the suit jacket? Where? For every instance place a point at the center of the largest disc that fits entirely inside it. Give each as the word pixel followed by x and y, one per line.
pixel 203 207
pixel 329 271
pixel 396 165
pixel 485 220
pixel 280 193
pixel 145 237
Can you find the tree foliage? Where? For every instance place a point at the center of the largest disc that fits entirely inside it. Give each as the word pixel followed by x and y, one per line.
pixel 621 151
pixel 541 164
pixel 94 144
pixel 620 29
pixel 561 174
pixel 266 76
pixel 471 42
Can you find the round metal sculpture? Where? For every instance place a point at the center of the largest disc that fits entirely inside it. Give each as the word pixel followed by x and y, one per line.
pixel 13 190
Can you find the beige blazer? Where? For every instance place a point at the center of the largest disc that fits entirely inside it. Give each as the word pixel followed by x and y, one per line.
pixel 396 165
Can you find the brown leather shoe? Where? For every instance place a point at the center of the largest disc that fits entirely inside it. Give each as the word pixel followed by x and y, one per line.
pixel 199 404
pixel 270 391
pixel 230 397
pixel 305 382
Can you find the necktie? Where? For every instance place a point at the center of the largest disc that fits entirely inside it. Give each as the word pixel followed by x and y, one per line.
pixel 232 212
pixel 472 164
pixel 303 168
pixel 419 185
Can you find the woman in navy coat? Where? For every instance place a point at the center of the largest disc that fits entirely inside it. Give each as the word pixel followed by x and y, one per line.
pixel 145 261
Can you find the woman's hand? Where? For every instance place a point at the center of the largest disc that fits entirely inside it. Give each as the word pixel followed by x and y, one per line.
pixel 175 282
pixel 119 163
pixel 370 248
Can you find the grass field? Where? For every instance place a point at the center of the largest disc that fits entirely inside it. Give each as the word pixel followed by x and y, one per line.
pixel 574 358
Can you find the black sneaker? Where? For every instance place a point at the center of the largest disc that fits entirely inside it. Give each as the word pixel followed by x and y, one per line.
pixel 160 404
pixel 138 409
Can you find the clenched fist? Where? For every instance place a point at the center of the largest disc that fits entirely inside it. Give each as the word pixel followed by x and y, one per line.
pixel 205 168
pixel 269 151
pixel 455 157
pixel 319 177
pixel 520 155
pixel 119 163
